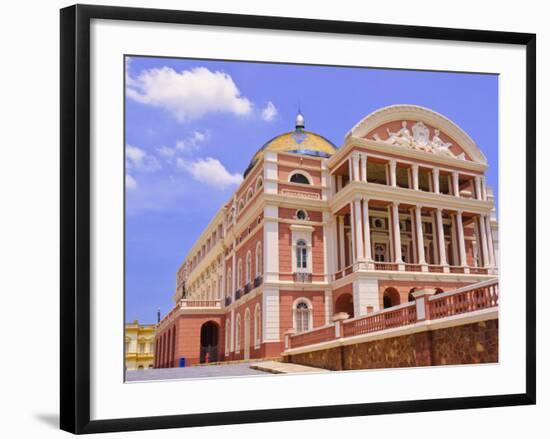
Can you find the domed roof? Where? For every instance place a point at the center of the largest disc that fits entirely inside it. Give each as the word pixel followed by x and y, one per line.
pixel 298 141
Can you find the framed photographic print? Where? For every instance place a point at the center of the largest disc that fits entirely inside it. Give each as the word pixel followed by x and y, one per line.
pixel 268 218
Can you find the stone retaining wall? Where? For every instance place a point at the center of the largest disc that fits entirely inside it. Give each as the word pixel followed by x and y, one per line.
pixel 466 344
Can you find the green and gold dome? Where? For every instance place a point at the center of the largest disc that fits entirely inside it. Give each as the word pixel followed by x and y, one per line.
pixel 298 141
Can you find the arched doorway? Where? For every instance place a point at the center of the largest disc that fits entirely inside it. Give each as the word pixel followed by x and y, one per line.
pixel 209 342
pixel 391 297
pixel 246 347
pixel 344 303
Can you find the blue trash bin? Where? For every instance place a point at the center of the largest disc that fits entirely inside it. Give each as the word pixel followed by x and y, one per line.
pixel 182 361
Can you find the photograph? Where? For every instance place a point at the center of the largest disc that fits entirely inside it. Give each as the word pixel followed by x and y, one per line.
pixel 285 218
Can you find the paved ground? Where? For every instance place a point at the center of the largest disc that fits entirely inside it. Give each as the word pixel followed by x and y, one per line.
pixel 226 370
pixel 279 367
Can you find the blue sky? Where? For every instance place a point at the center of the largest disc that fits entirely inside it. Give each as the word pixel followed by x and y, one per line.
pixel 193 125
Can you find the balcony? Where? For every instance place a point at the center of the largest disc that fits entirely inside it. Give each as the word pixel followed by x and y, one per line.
pixel 393 266
pixel 302 277
pixel 192 303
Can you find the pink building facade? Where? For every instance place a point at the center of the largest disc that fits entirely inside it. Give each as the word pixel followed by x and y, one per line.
pixel 314 230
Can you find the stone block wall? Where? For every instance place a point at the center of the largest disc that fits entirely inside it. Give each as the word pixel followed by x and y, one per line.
pixel 465 344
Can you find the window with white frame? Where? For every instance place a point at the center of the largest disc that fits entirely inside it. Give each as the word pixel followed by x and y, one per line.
pixel 248 266
pixel 142 348
pixel 229 286
pixel 227 336
pixel 240 274
pixel 299 177
pixel 302 315
pixel 257 326
pixel 238 334
pixel 301 255
pixel 258 259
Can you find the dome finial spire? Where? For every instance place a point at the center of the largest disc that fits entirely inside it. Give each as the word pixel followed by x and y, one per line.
pixel 300 121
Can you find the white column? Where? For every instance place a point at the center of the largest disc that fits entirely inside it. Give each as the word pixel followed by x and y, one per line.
pixel 356 167
pixel 490 245
pixel 435 178
pixel 328 307
pixel 393 173
pixel 350 166
pixel 483 188
pixel 396 233
pixel 461 243
pixel 364 166
pixel 414 169
pixel 351 221
pixel 270 250
pixel 342 242
pixel 233 271
pixel 419 235
pixel 358 229
pixel 441 237
pixel 483 240
pixel 338 183
pixel 456 188
pixel 366 229
pixel 478 187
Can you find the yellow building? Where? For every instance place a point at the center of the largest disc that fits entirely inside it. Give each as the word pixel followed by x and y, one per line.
pixel 139 346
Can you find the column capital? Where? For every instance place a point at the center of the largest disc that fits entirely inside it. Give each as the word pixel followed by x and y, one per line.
pixel 439 209
pixel 435 170
pixel 365 199
pixel 414 166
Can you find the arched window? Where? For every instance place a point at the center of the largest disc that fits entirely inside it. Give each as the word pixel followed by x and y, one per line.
pixel 248 266
pixel 240 274
pixel 301 255
pixel 241 205
pixel 249 194
pixel 229 282
pixel 238 334
pixel 259 183
pixel 258 259
pixel 227 336
pixel 302 316
pixel 257 326
pixel 299 178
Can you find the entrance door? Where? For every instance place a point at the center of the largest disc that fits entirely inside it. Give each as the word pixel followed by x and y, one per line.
pixel 247 335
pixel 209 342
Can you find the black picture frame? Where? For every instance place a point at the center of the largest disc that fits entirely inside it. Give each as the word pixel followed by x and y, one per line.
pixel 75 217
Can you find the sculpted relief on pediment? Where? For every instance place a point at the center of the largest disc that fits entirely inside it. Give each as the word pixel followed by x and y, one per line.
pixel 418 138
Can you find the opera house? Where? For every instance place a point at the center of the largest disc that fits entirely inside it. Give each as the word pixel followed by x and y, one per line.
pixel 391 232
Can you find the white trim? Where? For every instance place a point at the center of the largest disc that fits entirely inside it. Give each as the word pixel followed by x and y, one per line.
pixel 304 173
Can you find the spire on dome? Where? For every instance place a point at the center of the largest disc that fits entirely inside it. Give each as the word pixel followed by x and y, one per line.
pixel 300 121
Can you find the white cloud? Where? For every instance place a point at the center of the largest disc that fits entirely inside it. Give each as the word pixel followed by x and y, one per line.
pixel 188 94
pixel 137 158
pixel 131 182
pixel 167 152
pixel 269 112
pixel 192 142
pixel 210 171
